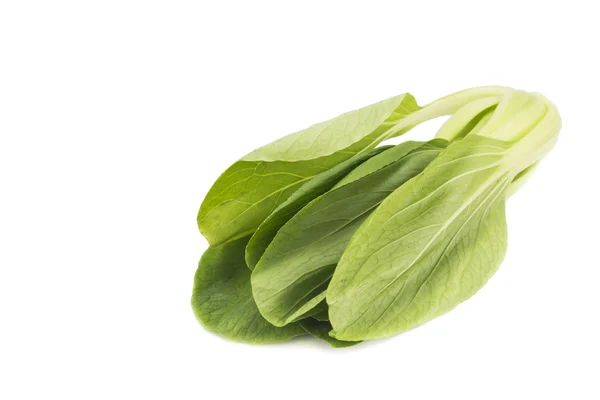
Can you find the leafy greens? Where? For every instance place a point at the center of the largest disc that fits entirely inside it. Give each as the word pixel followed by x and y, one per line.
pixel 322 232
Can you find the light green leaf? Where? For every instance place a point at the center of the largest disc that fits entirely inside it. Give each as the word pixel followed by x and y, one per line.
pixel 321 329
pixel 291 277
pixel 248 191
pixel 222 298
pixel 337 134
pixel 429 246
pixel 307 192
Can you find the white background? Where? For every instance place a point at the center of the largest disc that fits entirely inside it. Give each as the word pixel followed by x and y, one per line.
pixel 117 116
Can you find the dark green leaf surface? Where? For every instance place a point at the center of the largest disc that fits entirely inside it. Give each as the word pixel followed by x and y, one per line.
pixel 322 316
pixel 307 192
pixel 222 298
pixel 248 191
pixel 429 246
pixel 392 154
pixel 292 276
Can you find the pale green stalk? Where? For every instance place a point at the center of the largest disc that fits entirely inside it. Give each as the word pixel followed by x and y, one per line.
pixel 457 122
pixel 529 120
pixel 446 106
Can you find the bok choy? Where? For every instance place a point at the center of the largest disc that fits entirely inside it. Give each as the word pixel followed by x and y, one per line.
pixel 324 232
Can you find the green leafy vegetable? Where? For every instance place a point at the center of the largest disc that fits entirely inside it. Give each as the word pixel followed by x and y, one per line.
pixel 321 232
pixel 222 298
pixel 293 273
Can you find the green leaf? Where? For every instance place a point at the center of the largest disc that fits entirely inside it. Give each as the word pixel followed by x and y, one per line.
pixel 222 298
pixel 322 316
pixel 317 306
pixel 248 191
pixel 291 277
pixel 375 163
pixel 321 329
pixel 429 246
pixel 339 133
pixel 307 192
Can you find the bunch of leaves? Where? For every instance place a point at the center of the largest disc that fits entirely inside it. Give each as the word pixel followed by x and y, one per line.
pixel 324 233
